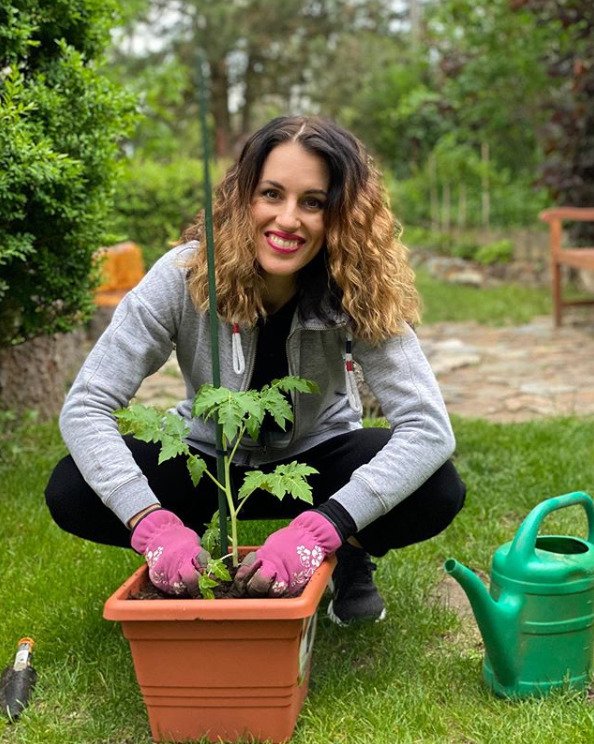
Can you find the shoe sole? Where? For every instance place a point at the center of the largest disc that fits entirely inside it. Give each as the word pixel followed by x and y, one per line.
pixel 335 619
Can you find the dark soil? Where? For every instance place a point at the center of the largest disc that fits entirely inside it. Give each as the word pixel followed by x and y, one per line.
pixel 225 590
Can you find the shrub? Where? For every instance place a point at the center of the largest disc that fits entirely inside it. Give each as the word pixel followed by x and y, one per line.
pixel 466 250
pixel 155 202
pixel 60 121
pixel 423 238
pixel 501 251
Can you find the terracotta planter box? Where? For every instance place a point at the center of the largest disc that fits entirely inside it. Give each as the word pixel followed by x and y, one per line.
pixel 222 669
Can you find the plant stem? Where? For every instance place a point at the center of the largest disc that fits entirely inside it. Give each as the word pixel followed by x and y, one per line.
pixel 228 458
pixel 214 480
pixel 234 546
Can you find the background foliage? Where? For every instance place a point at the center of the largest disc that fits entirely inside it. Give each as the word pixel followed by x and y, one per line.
pixel 155 201
pixel 479 113
pixel 60 121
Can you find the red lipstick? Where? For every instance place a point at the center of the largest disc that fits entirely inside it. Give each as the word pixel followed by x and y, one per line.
pixel 282 242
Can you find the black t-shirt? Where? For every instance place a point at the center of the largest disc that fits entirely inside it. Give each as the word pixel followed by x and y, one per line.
pixel 270 364
pixel 271 352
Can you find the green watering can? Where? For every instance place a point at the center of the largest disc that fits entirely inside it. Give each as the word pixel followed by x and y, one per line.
pixel 538 620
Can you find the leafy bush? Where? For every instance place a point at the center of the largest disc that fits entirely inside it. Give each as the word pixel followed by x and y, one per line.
pixel 466 250
pixel 155 202
pixel 501 251
pixel 60 121
pixel 417 237
pixel 514 201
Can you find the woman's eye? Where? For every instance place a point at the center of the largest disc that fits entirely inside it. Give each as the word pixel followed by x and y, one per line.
pixel 313 203
pixel 270 194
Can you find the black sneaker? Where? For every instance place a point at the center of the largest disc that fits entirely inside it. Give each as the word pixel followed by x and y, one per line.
pixel 354 594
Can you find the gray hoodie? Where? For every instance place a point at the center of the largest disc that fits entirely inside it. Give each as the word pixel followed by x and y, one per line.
pixel 158 316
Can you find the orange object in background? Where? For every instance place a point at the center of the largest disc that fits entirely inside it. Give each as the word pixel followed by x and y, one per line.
pixel 122 268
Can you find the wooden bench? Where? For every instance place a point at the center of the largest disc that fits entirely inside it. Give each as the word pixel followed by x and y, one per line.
pixel 122 268
pixel 576 258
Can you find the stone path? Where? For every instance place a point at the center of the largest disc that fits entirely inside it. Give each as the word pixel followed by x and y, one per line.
pixel 513 374
pixel 499 374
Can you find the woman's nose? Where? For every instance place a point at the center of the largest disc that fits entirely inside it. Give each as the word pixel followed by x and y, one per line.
pixel 287 217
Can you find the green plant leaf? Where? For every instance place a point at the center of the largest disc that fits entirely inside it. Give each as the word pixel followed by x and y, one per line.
pixel 171 447
pixel 210 539
pixel 206 585
pixel 232 409
pixel 288 479
pixel 207 399
pixel 216 567
pixel 215 572
pixel 250 403
pixel 253 428
pixel 196 467
pixel 252 481
pixel 292 478
pixel 150 425
pixel 174 425
pixel 277 405
pixel 230 417
pixel 253 409
pixel 143 422
pixel 290 384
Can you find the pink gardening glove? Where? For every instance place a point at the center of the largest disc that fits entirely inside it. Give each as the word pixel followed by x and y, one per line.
pixel 288 558
pixel 172 551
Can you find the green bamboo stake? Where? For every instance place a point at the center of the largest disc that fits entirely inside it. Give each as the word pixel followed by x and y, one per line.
pixel 212 300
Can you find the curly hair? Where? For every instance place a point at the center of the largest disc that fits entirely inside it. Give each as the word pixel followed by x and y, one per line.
pixel 362 269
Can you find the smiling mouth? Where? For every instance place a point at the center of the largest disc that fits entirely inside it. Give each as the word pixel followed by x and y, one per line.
pixel 284 245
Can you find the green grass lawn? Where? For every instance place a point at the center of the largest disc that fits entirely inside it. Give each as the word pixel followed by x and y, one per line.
pixel 506 304
pixel 414 678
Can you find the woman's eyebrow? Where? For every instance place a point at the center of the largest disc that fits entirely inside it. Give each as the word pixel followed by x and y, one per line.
pixel 282 188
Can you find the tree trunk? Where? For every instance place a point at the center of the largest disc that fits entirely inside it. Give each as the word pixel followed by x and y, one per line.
pixel 248 98
pixel 485 188
pixel 446 208
pixel 220 107
pixel 433 197
pixel 462 206
pixel 37 373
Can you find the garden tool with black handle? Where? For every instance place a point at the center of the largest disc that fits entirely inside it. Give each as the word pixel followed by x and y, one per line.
pixel 18 680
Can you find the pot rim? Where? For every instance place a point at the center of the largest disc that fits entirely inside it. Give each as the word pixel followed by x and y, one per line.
pixel 120 607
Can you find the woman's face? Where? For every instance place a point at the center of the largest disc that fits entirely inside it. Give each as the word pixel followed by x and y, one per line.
pixel 288 209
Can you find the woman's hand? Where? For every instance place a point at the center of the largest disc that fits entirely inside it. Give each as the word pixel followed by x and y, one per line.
pixel 173 552
pixel 288 558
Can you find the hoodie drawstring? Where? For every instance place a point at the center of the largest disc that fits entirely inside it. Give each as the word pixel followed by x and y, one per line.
pixel 237 350
pixel 349 378
pixel 349 370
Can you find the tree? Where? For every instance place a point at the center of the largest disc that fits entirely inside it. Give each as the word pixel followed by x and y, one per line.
pixel 60 122
pixel 264 58
pixel 396 109
pixel 489 70
pixel 568 134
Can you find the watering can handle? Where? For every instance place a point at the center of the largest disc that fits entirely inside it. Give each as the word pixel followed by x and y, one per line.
pixel 525 540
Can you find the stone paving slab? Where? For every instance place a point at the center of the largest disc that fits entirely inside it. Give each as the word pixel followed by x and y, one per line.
pixel 513 374
pixel 500 374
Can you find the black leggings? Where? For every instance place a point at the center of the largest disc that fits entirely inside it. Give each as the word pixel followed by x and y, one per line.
pixel 77 509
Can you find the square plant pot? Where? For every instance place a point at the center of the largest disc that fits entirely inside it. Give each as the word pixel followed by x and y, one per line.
pixel 223 669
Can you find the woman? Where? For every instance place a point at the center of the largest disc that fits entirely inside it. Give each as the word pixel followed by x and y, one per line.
pixel 310 278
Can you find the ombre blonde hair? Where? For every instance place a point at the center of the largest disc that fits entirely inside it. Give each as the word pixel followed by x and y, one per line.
pixel 363 268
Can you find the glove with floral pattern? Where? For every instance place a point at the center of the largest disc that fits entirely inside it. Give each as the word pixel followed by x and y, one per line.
pixel 172 551
pixel 288 558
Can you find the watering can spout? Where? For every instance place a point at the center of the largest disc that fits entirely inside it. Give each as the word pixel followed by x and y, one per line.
pixel 497 621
